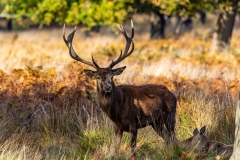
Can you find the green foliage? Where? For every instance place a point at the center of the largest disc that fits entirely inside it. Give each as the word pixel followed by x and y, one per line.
pixel 94 13
pixel 102 12
pixel 190 7
pixel 90 141
pixel 89 13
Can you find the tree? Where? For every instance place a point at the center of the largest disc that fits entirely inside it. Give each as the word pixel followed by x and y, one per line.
pixel 224 26
pixel 92 13
pixel 159 9
pixel 158 23
pixel 226 10
pixel 86 12
pixel 95 12
pixel 236 150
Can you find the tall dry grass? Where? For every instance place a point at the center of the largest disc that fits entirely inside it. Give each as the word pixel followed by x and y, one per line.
pixel 48 106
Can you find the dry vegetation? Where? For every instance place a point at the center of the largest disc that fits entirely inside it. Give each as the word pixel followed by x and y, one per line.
pixel 48 108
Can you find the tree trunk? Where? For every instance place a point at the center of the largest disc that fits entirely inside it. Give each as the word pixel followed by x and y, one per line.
pixel 158 23
pixel 236 149
pixel 9 25
pixel 224 27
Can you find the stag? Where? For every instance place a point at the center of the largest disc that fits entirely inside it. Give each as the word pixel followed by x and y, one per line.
pixel 130 107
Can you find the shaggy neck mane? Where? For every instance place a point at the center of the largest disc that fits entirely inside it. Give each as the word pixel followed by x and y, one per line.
pixel 110 102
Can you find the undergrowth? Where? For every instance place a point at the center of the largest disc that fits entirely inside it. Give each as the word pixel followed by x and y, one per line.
pixel 48 107
pixel 54 115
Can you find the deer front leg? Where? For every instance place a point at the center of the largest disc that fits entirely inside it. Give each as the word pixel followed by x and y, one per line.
pixel 133 131
pixel 118 136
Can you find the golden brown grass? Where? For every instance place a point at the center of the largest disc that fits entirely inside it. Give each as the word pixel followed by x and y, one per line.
pixel 36 70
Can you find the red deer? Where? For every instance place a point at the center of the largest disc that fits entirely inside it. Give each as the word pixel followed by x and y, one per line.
pixel 130 107
pixel 199 144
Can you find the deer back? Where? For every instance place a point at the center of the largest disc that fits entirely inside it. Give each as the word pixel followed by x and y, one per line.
pixel 223 150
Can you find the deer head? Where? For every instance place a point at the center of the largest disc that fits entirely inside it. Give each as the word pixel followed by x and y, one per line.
pixel 104 76
pixel 198 142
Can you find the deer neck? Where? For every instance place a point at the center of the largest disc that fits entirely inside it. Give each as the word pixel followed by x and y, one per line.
pixel 107 101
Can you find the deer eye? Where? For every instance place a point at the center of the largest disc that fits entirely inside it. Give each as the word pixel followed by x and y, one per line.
pixel 98 77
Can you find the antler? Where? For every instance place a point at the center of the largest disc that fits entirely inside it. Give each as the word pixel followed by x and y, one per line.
pixel 129 40
pixel 73 54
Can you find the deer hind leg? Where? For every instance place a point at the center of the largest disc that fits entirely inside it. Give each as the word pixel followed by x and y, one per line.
pixel 169 122
pixel 158 126
pixel 169 116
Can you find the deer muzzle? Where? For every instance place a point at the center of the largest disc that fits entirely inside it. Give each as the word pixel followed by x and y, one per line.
pixel 107 88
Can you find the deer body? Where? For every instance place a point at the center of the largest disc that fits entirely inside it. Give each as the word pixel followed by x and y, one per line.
pixel 130 107
pixel 142 105
pixel 223 150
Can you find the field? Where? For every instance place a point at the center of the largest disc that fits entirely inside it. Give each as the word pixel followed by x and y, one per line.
pixel 48 107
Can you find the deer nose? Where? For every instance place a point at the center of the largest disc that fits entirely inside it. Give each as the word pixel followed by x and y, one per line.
pixel 108 88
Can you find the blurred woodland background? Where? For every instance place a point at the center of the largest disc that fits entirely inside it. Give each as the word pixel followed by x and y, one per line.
pixel 48 108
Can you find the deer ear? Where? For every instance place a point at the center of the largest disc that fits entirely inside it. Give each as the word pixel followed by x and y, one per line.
pixel 195 132
pixel 202 130
pixel 118 71
pixel 89 73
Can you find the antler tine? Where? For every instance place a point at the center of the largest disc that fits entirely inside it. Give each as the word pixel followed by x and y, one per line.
pixel 73 54
pixel 132 29
pixel 129 41
pixel 94 62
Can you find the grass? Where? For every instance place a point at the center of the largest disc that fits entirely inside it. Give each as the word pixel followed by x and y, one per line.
pixel 38 76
